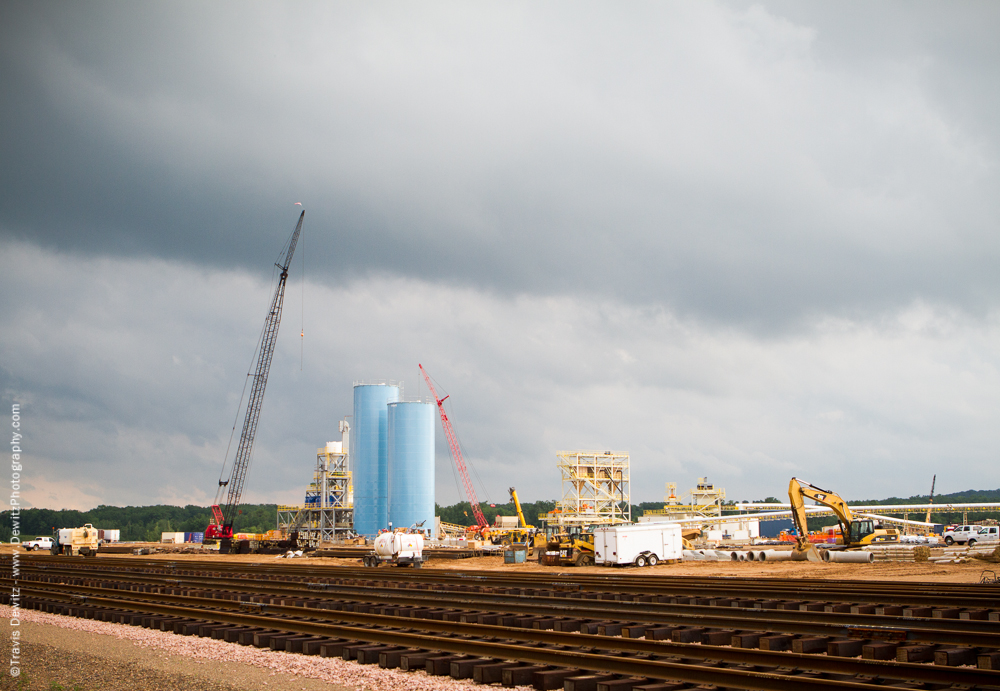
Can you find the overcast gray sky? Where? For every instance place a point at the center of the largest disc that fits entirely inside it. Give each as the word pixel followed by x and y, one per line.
pixel 741 240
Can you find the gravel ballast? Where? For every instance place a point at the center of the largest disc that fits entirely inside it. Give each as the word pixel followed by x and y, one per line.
pixel 88 655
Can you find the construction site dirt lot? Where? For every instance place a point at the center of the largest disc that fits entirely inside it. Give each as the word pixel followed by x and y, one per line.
pixel 66 652
pixel 969 572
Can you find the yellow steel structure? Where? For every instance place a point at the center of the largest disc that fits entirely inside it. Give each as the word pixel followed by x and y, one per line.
pixel 705 501
pixel 595 489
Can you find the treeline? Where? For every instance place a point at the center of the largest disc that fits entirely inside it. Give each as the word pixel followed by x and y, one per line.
pixel 969 496
pixel 137 523
pixel 461 513
pixel 146 523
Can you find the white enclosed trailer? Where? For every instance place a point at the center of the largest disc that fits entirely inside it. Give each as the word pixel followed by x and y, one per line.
pixel 639 544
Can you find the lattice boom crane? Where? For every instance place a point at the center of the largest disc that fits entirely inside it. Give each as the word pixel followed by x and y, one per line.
pixel 221 527
pixel 456 453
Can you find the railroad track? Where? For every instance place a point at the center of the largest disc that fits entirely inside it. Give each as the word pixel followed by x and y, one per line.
pixel 632 632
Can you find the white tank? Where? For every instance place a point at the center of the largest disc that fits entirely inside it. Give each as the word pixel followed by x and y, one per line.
pixel 400 545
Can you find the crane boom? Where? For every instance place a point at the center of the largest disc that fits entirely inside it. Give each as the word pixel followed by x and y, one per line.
pixel 456 453
pixel 930 500
pixel 222 525
pixel 517 505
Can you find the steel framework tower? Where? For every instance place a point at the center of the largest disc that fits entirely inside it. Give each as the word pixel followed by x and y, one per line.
pixel 595 488
pixel 328 513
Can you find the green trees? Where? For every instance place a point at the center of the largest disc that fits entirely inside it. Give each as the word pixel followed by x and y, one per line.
pixel 140 523
pixel 461 513
pixel 137 523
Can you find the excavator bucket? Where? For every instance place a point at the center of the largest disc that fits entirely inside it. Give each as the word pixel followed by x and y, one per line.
pixel 806 552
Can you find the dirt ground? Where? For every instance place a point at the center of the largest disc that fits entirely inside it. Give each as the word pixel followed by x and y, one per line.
pixel 878 571
pixel 55 656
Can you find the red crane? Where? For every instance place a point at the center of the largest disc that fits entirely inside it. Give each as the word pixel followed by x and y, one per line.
pixel 456 453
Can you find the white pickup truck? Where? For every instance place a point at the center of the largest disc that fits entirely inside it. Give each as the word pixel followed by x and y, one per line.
pixel 38 543
pixel 987 534
pixel 960 534
pixel 971 534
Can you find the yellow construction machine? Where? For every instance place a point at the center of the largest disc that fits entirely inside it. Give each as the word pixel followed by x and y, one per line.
pixel 855 532
pixel 523 534
pixel 568 549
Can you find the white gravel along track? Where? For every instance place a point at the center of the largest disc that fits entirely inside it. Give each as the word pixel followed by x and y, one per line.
pixel 332 670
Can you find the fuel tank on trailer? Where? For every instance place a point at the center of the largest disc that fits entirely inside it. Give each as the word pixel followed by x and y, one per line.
pixel 399 545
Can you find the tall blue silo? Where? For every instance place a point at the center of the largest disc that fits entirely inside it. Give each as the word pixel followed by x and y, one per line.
pixel 370 457
pixel 411 465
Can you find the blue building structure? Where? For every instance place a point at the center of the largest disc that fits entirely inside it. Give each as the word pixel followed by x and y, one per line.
pixel 370 456
pixel 411 465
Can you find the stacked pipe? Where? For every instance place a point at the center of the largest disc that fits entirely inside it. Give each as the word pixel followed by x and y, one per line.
pixel 961 554
pixel 736 555
pixel 897 552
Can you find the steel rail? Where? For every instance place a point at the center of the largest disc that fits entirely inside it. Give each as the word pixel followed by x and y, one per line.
pixel 680 669
pixel 834 624
pixel 745 656
pixel 920 593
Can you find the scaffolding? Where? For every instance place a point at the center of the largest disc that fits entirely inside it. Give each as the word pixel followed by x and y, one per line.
pixel 328 513
pixel 595 489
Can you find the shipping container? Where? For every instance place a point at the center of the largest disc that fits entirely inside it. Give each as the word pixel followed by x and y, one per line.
pixel 106 535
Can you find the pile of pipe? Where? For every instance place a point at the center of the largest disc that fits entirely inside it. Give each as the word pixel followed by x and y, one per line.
pixel 736 555
pixel 960 554
pixel 898 552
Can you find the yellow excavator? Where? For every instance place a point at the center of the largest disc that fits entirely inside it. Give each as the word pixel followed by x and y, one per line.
pixel 855 532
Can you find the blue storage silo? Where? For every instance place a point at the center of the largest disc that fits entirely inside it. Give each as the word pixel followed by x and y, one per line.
pixel 411 465
pixel 370 456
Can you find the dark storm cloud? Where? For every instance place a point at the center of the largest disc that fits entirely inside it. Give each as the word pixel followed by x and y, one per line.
pixel 739 164
pixel 743 240
pixel 129 373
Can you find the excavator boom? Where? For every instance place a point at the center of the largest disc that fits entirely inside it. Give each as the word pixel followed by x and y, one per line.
pixel 854 532
pixel 797 491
